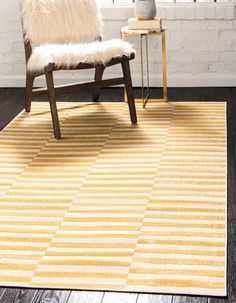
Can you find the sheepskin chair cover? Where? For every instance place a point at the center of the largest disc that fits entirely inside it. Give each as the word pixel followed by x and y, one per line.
pixel 61 21
pixel 69 55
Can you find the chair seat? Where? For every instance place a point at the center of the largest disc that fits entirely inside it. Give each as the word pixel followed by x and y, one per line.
pixel 70 55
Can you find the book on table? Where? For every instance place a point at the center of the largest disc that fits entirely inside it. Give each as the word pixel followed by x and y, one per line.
pixel 149 24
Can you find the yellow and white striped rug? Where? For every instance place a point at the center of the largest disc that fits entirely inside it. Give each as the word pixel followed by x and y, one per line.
pixel 115 206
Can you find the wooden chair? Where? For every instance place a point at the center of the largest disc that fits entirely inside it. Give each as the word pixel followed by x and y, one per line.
pixel 36 37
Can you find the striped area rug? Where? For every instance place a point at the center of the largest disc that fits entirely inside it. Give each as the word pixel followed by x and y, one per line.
pixel 115 206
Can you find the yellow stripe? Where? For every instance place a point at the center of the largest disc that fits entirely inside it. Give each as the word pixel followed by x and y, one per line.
pixel 79 275
pixel 187 217
pixel 33 210
pixel 183 234
pixel 217 253
pixel 18 267
pixel 182 242
pixel 101 228
pixel 179 261
pixel 19 257
pixel 14 279
pixel 171 272
pixel 95 263
pixel 93 286
pixel 108 254
pixel 104 236
pixel 33 200
pixel 181 202
pixel 176 283
pixel 26 231
pixel 28 223
pixel 192 189
pixel 104 219
pixel 24 239
pixel 22 248
pixel 92 245
pixel 41 193
pixel 186 209
pixel 185 225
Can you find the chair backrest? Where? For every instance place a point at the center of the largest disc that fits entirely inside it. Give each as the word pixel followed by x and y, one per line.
pixel 60 21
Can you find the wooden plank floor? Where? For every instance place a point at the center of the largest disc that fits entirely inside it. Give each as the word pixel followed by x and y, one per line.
pixel 12 102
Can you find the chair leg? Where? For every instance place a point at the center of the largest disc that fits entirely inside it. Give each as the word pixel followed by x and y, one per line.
pixel 129 91
pixel 28 92
pixel 53 105
pixel 99 70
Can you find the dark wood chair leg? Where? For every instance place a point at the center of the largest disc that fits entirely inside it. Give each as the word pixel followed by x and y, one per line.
pixel 28 92
pixel 53 105
pixel 129 91
pixel 99 70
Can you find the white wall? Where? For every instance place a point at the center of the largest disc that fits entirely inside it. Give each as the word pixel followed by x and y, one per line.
pixel 201 45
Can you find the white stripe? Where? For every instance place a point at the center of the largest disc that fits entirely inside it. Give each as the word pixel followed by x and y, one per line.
pixel 85 269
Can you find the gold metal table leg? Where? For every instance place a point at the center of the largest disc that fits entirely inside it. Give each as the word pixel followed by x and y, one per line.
pixel 148 74
pixel 165 97
pixel 142 70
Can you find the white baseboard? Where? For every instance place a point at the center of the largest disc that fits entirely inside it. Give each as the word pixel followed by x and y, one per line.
pixel 182 80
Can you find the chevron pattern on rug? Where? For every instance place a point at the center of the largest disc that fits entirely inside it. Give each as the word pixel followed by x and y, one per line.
pixel 115 206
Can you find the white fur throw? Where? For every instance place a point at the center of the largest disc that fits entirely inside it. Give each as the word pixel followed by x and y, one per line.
pixel 69 55
pixel 61 21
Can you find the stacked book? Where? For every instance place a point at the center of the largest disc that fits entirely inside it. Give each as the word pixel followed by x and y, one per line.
pixel 149 24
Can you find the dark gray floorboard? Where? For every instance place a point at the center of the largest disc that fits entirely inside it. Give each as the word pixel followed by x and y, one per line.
pixel 52 296
pixel 144 298
pixel 2 290
pixel 217 300
pixel 17 295
pixel 188 299
pixel 85 297
pixel 119 297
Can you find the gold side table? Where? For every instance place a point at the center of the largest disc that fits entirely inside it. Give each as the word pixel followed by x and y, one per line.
pixel 125 32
